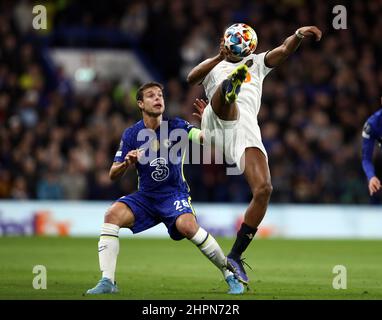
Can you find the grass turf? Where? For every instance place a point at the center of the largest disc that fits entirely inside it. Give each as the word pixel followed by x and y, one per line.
pixel 165 269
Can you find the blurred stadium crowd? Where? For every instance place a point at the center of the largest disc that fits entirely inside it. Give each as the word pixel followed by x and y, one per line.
pixel 56 143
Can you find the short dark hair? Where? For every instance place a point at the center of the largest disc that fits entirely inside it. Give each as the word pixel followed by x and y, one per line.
pixel 139 95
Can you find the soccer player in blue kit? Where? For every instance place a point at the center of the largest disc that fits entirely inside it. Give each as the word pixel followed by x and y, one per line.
pixel 163 193
pixel 371 133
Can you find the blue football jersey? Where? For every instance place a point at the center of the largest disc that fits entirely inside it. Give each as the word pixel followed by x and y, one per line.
pixel 371 133
pixel 160 168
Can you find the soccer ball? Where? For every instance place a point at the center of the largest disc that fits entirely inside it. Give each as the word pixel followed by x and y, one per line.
pixel 240 40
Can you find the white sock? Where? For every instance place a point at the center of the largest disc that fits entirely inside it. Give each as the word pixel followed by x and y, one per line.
pixel 108 249
pixel 211 249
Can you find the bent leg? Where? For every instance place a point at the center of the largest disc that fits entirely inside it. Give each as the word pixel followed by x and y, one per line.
pixel 223 101
pixel 257 174
pixel 259 179
pixel 188 227
pixel 225 111
pixel 118 215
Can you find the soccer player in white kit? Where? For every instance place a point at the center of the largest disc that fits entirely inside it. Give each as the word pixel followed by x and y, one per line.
pixel 233 87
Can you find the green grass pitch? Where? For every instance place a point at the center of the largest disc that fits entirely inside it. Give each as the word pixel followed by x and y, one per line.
pixel 165 269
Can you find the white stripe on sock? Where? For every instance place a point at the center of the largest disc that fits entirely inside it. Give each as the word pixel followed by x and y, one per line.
pixel 110 229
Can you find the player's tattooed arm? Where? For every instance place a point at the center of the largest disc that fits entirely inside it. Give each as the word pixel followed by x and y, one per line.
pixel 119 168
pixel 276 56
pixel 198 73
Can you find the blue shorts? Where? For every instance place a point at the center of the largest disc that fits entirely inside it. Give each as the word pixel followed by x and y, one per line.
pixel 151 209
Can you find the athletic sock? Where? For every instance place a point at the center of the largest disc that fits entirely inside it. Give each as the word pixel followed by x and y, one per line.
pixel 108 249
pixel 243 239
pixel 211 249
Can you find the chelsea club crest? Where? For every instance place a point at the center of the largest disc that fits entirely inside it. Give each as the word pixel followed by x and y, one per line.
pixel 167 143
pixel 155 145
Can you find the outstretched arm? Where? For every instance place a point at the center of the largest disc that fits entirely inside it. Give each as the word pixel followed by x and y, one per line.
pixel 276 56
pixel 198 73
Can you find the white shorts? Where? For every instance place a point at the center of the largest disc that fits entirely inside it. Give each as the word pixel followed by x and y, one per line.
pixel 232 137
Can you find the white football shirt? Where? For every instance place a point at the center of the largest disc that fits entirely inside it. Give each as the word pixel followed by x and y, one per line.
pixel 246 132
pixel 251 90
